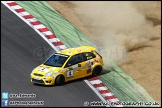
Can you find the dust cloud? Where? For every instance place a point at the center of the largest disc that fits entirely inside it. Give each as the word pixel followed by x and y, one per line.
pixel 117 27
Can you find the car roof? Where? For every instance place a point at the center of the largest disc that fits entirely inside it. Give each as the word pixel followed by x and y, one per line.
pixel 76 50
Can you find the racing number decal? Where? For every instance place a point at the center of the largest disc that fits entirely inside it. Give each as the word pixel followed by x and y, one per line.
pixel 69 73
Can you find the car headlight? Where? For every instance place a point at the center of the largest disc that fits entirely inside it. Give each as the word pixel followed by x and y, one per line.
pixel 48 74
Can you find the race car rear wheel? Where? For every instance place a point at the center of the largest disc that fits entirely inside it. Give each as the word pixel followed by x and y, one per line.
pixel 97 70
pixel 60 80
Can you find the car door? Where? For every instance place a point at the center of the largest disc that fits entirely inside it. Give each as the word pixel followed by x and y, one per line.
pixel 73 67
pixel 88 59
pixel 82 68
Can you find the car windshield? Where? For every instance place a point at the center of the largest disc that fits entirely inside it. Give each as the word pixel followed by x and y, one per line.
pixel 57 60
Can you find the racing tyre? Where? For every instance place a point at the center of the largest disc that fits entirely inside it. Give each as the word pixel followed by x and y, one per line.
pixel 97 70
pixel 60 80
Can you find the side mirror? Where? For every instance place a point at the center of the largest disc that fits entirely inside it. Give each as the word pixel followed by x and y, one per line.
pixel 79 65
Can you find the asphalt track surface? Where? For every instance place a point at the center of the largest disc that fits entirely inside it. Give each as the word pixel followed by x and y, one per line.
pixel 22 49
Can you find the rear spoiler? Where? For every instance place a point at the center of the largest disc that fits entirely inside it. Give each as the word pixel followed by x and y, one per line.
pixel 90 47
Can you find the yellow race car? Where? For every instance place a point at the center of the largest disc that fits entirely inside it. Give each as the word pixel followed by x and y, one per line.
pixel 68 64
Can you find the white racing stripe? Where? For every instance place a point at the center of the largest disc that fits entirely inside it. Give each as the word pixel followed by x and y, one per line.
pixel 54 40
pixel 95 82
pixel 32 20
pixel 62 47
pixel 9 1
pixel 39 26
pixel 24 13
pixel 101 88
pixel 48 33
pixel 16 7
pixel 107 94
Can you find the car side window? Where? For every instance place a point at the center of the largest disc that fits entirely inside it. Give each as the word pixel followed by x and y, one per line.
pixel 74 60
pixel 88 56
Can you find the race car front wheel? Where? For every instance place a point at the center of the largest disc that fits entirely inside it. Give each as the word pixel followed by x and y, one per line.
pixel 60 80
pixel 97 70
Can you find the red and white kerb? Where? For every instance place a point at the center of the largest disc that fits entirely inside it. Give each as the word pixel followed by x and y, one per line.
pixel 36 24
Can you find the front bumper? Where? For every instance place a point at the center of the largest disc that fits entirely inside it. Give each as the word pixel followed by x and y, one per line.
pixel 43 80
